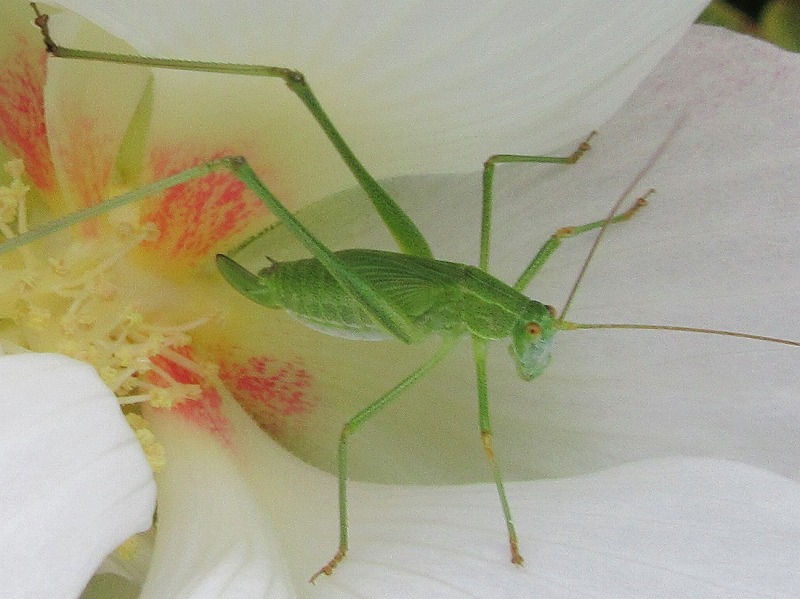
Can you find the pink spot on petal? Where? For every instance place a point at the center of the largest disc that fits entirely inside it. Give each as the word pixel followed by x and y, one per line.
pixel 194 217
pixel 22 122
pixel 204 411
pixel 277 394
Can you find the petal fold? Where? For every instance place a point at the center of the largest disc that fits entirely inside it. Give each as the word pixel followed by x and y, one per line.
pixel 657 528
pixel 75 483
pixel 415 87
pixel 212 540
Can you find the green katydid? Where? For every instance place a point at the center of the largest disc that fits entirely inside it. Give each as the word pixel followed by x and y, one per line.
pixel 369 294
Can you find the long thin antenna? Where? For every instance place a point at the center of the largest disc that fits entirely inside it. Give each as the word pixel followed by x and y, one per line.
pixel 573 326
pixel 627 192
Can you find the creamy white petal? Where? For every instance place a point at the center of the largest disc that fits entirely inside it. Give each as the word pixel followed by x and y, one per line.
pixel 651 529
pixel 658 528
pixel 75 483
pixel 212 539
pixel 717 247
pixel 414 87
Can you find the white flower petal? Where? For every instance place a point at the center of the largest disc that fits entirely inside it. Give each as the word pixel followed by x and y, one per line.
pixel 413 86
pixel 75 483
pixel 212 541
pixel 667 529
pixel 659 528
pixel 717 247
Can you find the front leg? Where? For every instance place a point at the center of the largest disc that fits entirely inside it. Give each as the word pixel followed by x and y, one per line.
pixel 488 183
pixel 554 241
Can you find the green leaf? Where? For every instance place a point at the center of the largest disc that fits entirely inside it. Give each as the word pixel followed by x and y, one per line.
pixel 130 159
pixel 780 23
pixel 724 15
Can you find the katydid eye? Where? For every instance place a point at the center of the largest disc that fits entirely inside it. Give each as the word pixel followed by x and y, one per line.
pixel 533 329
pixel 551 309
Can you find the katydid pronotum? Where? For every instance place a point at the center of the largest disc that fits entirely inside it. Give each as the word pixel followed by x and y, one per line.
pixel 370 294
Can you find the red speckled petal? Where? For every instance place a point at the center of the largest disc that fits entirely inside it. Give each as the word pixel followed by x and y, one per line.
pixel 22 75
pixel 204 411
pixel 193 218
pixel 277 393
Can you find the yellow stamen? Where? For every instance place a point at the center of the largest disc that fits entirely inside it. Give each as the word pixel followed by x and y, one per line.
pixel 153 450
pixel 129 548
pixel 68 297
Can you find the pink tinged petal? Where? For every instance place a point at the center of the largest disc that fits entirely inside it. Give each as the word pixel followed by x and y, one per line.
pixel 22 77
pixel 194 218
pixel 213 539
pixel 717 246
pixel 75 481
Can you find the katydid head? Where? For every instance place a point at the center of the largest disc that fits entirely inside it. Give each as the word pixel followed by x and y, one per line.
pixel 532 340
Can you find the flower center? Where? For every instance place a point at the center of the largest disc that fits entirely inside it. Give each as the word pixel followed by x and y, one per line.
pixel 76 298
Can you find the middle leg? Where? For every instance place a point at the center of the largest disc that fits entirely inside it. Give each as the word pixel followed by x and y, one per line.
pixel 352 425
